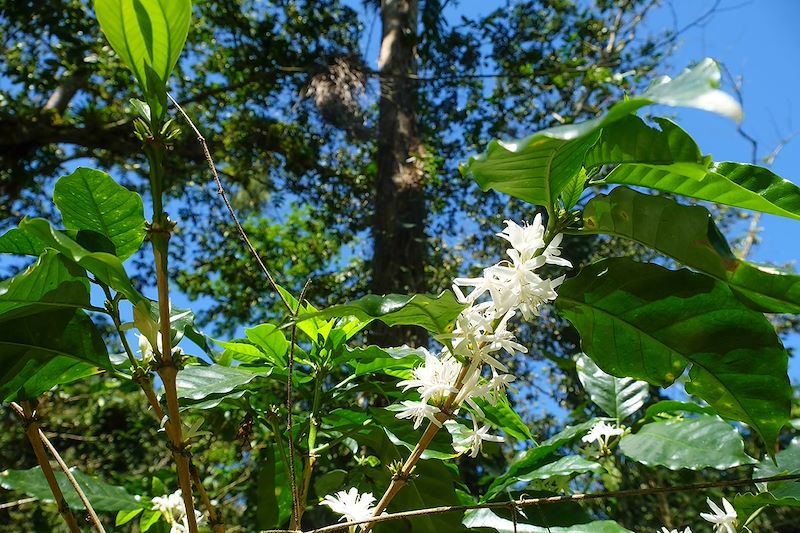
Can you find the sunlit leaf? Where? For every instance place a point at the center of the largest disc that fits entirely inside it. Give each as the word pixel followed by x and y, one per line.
pixel 434 313
pixel 618 397
pixel 91 200
pixel 485 518
pixel 196 382
pixel 688 234
pixel 693 443
pixel 646 322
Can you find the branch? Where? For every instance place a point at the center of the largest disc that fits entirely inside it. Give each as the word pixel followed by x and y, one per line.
pixel 28 419
pixel 516 505
pixel 74 482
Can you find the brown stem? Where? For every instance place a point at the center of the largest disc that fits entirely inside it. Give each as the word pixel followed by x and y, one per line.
pixel 213 517
pixel 298 502
pixel 532 502
pixel 32 432
pixel 74 482
pixel 401 477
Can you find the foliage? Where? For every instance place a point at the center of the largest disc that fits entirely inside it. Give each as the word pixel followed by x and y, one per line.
pixel 342 425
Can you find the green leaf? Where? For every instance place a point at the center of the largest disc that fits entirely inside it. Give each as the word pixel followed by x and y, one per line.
pixel 196 382
pixel 16 241
pixel 146 32
pixel 646 322
pixel 434 313
pixel 242 351
pixel 618 397
pixel 734 184
pixel 562 467
pixel 485 518
pixel 688 234
pixel 91 200
pixel 631 140
pixel 106 267
pixel 104 497
pixel 272 342
pixel 50 284
pixel 693 443
pixel 504 417
pixel 29 343
pixel 123 517
pixel 397 362
pixel 673 406
pixel 57 371
pixel 536 457
pixel 149 519
pixel 574 189
pixel 537 168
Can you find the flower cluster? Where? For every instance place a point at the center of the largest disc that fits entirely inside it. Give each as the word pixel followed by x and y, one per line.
pixel 173 511
pixel 601 433
pixel 469 367
pixel 724 520
pixel 352 505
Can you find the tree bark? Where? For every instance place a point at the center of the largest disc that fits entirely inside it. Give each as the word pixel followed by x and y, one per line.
pixel 400 243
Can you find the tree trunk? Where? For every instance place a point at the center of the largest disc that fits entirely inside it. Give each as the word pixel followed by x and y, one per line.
pixel 400 243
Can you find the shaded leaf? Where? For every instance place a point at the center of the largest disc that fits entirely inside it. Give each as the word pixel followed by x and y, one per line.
pixel 196 382
pixel 91 200
pixel 688 234
pixel 106 267
pixel 104 497
pixel 535 457
pixel 50 284
pixel 27 344
pixel 646 322
pixel 618 397
pixel 434 313
pixel 562 467
pixel 673 406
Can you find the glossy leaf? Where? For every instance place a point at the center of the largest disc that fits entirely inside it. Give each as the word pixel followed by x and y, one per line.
pixel 618 397
pixel 646 322
pixel 485 518
pixel 734 184
pixel 91 200
pixel 538 167
pixel 632 140
pixel 505 418
pixel 434 313
pixel 16 241
pixel 105 267
pixel 688 235
pixel 50 284
pixel 196 382
pixel 104 497
pixel 693 443
pixel 27 344
pixel 787 461
pixel 536 457
pixel 57 371
pixel 272 342
pixel 562 467
pixel 145 32
pixel 674 406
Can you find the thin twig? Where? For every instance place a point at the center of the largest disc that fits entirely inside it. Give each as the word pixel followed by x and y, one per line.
pixel 213 517
pixel 17 503
pixel 26 415
pixel 74 482
pixel 221 190
pixel 532 502
pixel 297 515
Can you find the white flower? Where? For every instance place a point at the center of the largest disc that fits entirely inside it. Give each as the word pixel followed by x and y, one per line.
pixel 419 411
pixel 525 240
pixel 724 521
pixel 146 348
pixel 601 432
pixel 351 504
pixel 665 530
pixel 465 439
pixel 435 379
pixel 174 512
